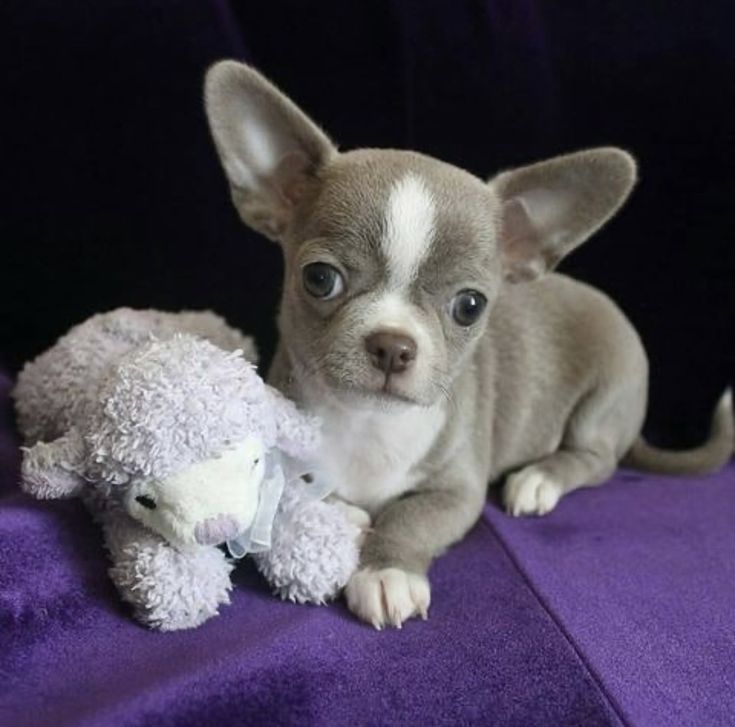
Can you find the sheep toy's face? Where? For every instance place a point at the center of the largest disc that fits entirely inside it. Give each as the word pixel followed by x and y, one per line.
pixel 206 503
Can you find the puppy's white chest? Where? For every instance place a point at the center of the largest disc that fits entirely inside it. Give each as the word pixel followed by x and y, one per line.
pixel 367 454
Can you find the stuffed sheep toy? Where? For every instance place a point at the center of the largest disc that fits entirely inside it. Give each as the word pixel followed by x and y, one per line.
pixel 177 446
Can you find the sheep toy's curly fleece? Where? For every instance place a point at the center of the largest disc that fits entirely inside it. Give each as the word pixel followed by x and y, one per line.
pixel 56 391
pixel 141 394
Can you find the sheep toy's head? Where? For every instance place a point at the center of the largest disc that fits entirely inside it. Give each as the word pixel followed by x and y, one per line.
pixel 181 435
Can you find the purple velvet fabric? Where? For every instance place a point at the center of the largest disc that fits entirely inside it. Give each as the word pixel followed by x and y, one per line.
pixel 640 574
pixel 615 609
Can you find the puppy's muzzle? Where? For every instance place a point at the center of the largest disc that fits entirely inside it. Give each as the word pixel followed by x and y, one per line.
pixel 391 352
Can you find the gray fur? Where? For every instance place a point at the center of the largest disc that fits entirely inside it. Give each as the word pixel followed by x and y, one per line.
pixel 547 389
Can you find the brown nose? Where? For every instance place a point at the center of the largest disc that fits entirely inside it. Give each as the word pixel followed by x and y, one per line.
pixel 390 352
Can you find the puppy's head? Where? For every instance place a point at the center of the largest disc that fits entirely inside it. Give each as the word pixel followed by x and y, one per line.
pixel 394 259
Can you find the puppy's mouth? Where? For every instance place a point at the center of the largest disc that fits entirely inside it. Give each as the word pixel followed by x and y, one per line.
pixel 387 391
pixel 390 390
pixel 388 398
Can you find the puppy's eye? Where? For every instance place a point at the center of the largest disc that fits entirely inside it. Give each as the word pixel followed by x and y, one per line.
pixel 322 281
pixel 147 502
pixel 467 307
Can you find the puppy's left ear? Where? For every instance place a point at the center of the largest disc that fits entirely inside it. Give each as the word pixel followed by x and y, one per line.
pixel 549 208
pixel 269 148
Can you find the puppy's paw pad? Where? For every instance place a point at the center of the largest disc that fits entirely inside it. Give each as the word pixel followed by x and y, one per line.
pixel 388 597
pixel 531 492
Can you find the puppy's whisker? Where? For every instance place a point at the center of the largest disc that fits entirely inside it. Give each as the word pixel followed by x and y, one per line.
pixel 444 391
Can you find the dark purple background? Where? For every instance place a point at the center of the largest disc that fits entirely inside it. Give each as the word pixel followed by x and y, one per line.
pixel 110 192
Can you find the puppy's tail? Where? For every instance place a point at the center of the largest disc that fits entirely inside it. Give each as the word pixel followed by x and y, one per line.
pixel 709 457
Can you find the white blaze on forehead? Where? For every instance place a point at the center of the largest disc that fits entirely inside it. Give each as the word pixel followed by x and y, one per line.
pixel 409 228
pixel 389 311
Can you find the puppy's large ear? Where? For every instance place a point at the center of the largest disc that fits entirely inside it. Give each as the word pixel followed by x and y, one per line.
pixel 53 470
pixel 549 208
pixel 269 148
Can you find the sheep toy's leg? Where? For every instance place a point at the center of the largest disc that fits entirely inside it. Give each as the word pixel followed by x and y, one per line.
pixel 169 588
pixel 315 549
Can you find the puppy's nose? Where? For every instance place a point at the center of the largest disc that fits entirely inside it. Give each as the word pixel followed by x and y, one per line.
pixel 390 352
pixel 215 530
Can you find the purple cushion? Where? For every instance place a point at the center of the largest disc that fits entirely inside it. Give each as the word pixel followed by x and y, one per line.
pixel 612 609
pixel 640 575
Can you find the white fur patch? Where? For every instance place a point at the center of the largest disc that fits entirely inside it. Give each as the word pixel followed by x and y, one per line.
pixel 531 492
pixel 409 228
pixel 390 310
pixel 258 152
pixel 261 145
pixel 367 454
pixel 355 516
pixel 388 597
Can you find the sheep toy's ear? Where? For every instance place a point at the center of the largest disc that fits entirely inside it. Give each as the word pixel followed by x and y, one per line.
pixel 52 470
pixel 297 433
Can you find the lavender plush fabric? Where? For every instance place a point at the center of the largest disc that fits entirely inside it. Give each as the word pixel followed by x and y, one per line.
pixel 615 609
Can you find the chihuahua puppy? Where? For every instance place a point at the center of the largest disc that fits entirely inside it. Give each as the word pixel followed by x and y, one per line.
pixel 421 321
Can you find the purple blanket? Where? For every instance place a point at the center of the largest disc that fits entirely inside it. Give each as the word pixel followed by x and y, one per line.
pixel 617 608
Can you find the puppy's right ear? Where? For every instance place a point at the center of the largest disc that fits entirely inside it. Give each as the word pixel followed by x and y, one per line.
pixel 53 470
pixel 269 148
pixel 550 208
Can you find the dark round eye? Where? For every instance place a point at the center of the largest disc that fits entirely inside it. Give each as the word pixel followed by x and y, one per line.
pixel 147 502
pixel 322 281
pixel 467 307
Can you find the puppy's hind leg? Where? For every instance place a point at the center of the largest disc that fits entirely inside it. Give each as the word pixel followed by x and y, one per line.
pixel 599 431
pixel 537 488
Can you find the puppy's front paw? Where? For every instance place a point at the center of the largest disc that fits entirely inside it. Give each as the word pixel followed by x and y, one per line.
pixel 388 597
pixel 531 492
